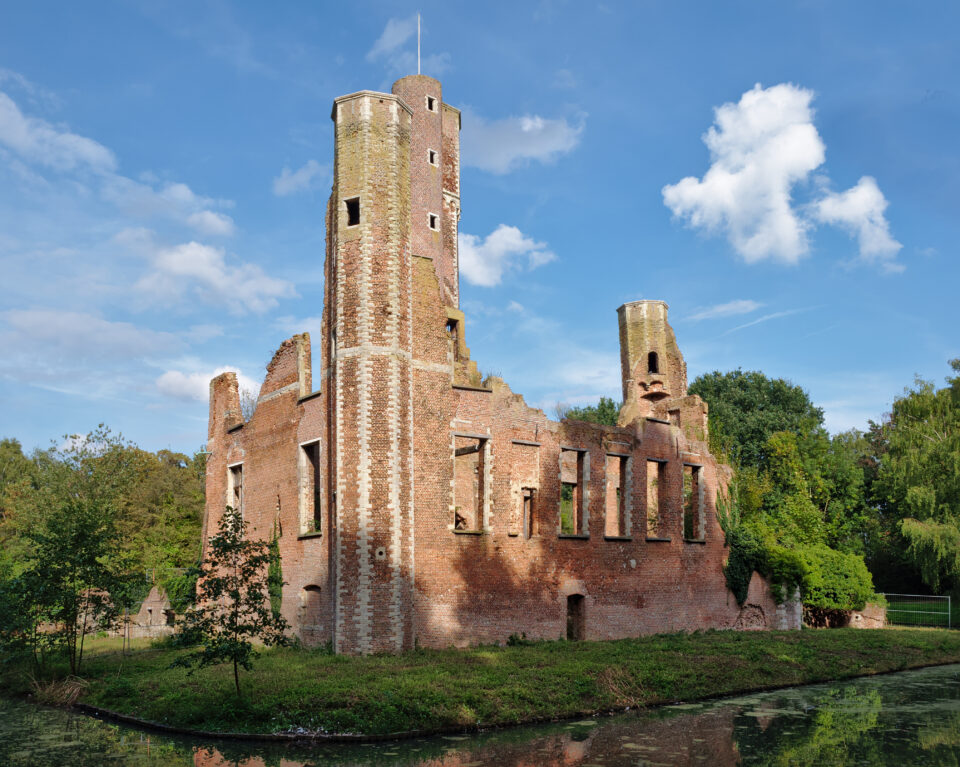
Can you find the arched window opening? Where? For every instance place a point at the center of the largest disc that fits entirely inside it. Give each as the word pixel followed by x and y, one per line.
pixel 653 364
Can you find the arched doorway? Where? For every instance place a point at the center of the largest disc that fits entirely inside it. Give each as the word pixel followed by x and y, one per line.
pixel 576 619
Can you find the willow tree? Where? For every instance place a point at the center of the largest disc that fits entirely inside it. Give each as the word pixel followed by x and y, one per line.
pixel 919 479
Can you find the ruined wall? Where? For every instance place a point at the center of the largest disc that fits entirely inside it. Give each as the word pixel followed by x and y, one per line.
pixel 415 502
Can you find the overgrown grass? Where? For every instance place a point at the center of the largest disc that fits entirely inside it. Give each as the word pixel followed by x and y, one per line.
pixel 433 689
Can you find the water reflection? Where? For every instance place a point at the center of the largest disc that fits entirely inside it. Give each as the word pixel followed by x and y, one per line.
pixel 911 718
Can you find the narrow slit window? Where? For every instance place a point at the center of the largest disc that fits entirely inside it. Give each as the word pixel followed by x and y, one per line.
pixel 235 488
pixel 469 488
pixel 353 211
pixel 616 502
pixel 530 527
pixel 434 221
pixel 310 488
pixel 431 157
pixel 656 493
pixel 692 504
pixel 453 331
pixel 431 103
pixel 653 363
pixel 571 492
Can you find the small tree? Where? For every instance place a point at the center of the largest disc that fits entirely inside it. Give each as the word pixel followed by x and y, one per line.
pixel 233 603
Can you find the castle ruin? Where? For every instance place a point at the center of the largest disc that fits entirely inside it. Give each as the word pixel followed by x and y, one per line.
pixel 415 503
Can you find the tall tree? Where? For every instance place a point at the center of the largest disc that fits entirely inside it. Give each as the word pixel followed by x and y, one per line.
pixel 919 480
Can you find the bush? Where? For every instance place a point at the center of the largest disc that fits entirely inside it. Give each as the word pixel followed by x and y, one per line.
pixel 834 580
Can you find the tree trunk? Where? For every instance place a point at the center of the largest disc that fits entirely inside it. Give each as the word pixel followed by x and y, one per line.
pixel 236 676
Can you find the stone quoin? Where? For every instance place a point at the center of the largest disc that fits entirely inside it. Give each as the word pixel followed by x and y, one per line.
pixel 415 503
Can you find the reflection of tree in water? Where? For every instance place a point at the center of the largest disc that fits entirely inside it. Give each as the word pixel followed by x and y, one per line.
pixel 940 741
pixel 839 732
pixel 31 736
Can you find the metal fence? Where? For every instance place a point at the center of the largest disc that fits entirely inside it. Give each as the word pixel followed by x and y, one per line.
pixel 918 610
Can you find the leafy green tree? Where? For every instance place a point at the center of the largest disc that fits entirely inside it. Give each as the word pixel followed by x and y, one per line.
pixel 746 408
pixel 233 602
pixel 918 483
pixel 605 412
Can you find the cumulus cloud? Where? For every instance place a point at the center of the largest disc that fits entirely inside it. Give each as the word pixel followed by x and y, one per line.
pixel 195 386
pixel 762 149
pixel 484 261
pixel 203 271
pixel 208 222
pixel 500 146
pixel 35 140
pixel 395 48
pixel 729 309
pixel 300 180
pixel 860 210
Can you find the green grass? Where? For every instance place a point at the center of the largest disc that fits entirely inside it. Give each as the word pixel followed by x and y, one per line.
pixel 928 613
pixel 434 689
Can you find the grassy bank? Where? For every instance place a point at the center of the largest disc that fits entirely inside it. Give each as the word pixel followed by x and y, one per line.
pixel 431 689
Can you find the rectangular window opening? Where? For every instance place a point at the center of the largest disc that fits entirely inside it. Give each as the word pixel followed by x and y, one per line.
pixel 235 488
pixel 431 103
pixel 353 211
pixel 656 493
pixel 615 524
pixel 530 526
pixel 434 221
pixel 310 486
pixel 431 157
pixel 571 492
pixel 469 477
pixel 692 504
pixel 453 331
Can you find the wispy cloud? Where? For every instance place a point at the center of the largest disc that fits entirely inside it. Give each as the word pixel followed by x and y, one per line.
pixel 307 176
pixel 500 146
pixel 729 309
pixel 762 149
pixel 195 385
pixel 396 49
pixel 767 318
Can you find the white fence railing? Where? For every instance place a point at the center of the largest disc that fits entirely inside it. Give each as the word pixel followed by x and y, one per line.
pixel 918 610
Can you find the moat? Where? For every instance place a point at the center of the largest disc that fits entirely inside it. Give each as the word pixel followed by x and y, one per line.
pixel 911 717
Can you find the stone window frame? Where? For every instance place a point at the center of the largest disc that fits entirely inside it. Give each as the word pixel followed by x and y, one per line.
pixel 431 219
pixel 583 480
pixel 626 496
pixel 484 513
pixel 435 162
pixel 231 487
pixel 430 102
pixel 307 523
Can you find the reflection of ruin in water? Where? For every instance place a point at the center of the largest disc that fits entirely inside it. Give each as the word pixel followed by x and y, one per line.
pixel 909 718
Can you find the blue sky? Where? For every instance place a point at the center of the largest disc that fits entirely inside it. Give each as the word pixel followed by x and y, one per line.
pixel 785 175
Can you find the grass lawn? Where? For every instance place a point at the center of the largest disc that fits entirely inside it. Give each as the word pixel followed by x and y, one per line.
pixel 433 689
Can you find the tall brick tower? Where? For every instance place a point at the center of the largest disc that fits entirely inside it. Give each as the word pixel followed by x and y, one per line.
pixel 388 204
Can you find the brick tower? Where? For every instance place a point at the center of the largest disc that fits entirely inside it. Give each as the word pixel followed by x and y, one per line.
pixel 387 204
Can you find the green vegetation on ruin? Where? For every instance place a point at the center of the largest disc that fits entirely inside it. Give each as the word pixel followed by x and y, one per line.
pixel 429 690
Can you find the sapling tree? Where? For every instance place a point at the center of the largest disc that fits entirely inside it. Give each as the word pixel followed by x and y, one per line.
pixel 233 603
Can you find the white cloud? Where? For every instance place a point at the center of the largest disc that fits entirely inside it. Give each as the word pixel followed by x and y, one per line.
pixel 860 210
pixel 37 141
pixel 195 386
pixel 293 325
pixel 729 309
pixel 79 335
pixel 483 262
pixel 761 149
pixel 389 48
pixel 300 180
pixel 203 271
pixel 501 146
pixel 208 222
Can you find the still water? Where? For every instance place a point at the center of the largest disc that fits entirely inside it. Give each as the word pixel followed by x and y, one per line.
pixel 910 718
